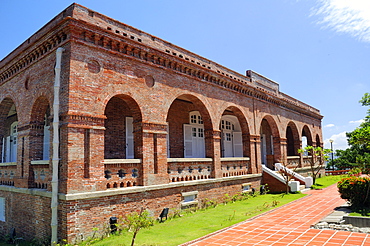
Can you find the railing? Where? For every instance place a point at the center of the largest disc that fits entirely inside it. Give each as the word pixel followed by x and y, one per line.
pixel 293 161
pixel 122 173
pixel 235 166
pixel 336 172
pixel 187 169
pixel 41 173
pixel 7 172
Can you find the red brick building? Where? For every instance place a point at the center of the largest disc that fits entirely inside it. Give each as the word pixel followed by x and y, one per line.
pixel 113 119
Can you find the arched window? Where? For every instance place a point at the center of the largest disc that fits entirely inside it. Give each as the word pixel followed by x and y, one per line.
pixel 194 146
pixel 11 144
pixel 231 135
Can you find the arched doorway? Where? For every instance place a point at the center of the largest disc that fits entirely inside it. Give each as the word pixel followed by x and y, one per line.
pixel 187 121
pixel 123 117
pixel 270 149
pixel 8 131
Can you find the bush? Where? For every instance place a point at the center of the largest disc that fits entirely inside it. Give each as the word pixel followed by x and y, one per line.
pixel 355 190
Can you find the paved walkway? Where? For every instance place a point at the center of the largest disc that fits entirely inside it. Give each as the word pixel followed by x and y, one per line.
pixel 289 225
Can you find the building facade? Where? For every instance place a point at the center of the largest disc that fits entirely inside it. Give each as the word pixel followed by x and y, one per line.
pixel 107 119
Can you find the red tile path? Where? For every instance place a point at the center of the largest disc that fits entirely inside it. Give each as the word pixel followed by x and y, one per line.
pixel 289 225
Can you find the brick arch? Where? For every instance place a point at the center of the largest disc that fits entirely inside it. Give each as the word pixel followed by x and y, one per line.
pixel 118 110
pixel 293 141
pixel 233 110
pixel 272 123
pixel 131 103
pixel 199 106
pixel 307 133
pixel 178 116
pixel 270 141
pixel 39 110
pixel 40 107
pixel 5 123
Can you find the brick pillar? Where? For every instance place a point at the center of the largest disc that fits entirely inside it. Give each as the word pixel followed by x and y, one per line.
pixel 154 154
pixel 22 175
pixel 81 154
pixel 283 151
pixel 255 154
pixel 213 150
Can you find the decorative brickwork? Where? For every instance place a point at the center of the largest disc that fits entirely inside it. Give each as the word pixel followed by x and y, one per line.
pixel 141 122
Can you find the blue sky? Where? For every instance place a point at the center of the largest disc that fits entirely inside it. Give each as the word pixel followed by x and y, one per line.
pixel 317 50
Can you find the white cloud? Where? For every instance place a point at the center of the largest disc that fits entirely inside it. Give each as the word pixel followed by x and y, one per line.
pixel 345 16
pixel 329 125
pixel 357 122
pixel 339 141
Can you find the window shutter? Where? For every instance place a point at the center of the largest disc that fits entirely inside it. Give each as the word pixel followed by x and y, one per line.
pixel 3 151
pixel 7 151
pixel 46 149
pixel 188 141
pixel 238 144
pixel 129 138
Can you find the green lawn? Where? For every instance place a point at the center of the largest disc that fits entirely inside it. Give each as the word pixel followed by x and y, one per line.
pixel 326 181
pixel 197 224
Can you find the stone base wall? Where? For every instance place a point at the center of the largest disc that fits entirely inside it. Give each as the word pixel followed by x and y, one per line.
pixel 28 210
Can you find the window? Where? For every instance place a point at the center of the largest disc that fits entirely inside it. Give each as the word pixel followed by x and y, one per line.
pixel 194 145
pixel 129 138
pixel 231 137
pixel 189 198
pixel 46 140
pixel 9 150
pixel 247 187
pixel 2 209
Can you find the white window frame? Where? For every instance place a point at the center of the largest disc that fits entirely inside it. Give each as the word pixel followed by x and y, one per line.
pixel 130 148
pixel 231 135
pixel 194 140
pixel 2 208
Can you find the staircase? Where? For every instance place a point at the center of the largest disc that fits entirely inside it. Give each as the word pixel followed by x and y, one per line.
pixel 297 183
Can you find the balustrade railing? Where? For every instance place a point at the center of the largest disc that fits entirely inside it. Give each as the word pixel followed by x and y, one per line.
pixel 187 169
pixel 121 173
pixel 235 166
pixel 7 173
pixel 41 174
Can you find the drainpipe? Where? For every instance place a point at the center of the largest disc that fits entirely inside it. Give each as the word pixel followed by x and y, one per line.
pixel 54 181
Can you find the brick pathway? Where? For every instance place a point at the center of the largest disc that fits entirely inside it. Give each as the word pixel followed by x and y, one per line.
pixel 289 225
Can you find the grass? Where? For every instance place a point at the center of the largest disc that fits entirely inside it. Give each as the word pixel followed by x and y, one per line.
pixel 193 225
pixel 326 181
pixel 361 212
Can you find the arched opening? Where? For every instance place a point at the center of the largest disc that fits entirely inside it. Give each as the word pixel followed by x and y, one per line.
pixel 123 123
pixel 318 142
pixel 187 121
pixel 40 137
pixel 235 140
pixel 292 136
pixel 306 137
pixel 270 149
pixel 8 131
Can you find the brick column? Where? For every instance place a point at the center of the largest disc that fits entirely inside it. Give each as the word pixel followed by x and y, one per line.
pixel 213 150
pixel 81 153
pixel 255 154
pixel 154 154
pixel 283 151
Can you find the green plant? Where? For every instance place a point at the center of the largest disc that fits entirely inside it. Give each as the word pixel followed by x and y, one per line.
pixel 355 171
pixel 136 221
pixel 355 190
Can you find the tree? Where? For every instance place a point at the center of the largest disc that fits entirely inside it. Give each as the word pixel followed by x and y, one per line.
pixel 358 154
pixel 317 159
pixel 136 221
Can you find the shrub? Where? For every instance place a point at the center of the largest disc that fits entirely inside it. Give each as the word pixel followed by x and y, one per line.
pixel 355 171
pixel 355 190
